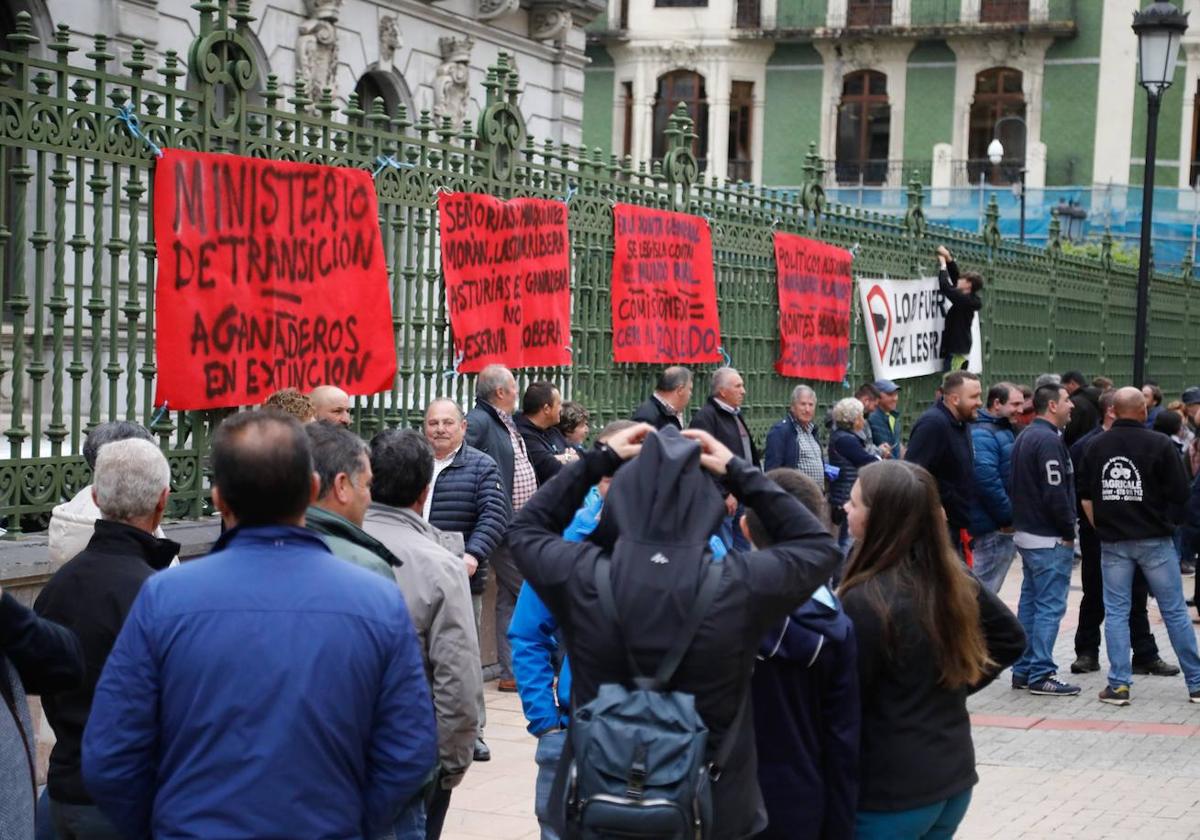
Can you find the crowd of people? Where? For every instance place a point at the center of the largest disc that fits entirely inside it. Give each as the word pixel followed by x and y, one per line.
pixel 707 638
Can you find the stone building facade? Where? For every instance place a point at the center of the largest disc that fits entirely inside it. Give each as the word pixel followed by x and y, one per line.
pixel 423 55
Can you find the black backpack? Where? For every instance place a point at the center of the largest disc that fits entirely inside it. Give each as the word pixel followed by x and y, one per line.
pixel 637 768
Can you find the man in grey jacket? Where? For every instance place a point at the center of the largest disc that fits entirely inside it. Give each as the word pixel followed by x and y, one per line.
pixel 435 588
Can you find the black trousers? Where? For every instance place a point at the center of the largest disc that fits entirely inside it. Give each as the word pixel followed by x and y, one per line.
pixel 1091 608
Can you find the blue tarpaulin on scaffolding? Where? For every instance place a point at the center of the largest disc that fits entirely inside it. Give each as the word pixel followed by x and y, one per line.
pixel 1175 216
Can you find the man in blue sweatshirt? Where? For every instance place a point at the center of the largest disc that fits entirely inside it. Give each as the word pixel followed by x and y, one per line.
pixel 1043 499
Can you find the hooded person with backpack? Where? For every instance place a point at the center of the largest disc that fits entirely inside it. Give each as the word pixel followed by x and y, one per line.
pixel 661 636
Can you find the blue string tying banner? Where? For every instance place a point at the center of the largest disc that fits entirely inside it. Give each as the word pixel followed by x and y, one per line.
pixel 383 162
pixel 725 355
pixel 453 372
pixel 571 190
pixel 125 114
pixel 158 415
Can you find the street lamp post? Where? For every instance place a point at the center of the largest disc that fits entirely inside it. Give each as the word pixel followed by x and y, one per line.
pixel 995 153
pixel 1159 27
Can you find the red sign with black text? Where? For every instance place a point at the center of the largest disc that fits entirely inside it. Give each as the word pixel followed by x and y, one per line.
pixel 270 275
pixel 814 308
pixel 664 295
pixel 507 268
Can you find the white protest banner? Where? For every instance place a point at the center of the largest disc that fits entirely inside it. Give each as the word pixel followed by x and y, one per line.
pixel 904 325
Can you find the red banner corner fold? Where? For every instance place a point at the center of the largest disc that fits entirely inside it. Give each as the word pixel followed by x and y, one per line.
pixel 507 268
pixel 814 282
pixel 664 294
pixel 271 275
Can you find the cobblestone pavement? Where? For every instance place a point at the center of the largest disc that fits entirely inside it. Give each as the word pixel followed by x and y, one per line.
pixel 1049 767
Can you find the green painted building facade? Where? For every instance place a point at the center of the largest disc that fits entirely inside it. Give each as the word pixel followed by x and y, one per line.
pixel 891 90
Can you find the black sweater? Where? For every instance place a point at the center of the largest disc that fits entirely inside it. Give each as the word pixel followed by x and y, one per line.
pixel 1136 483
pixel 916 746
pixel 91 595
pixel 956 338
pixel 1043 483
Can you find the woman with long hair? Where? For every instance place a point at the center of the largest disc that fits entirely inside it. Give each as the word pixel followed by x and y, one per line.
pixel 928 635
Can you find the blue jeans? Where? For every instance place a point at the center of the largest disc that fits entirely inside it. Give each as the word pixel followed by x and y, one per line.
pixel 81 822
pixel 938 821
pixel 549 748
pixel 1043 602
pixel 43 822
pixel 410 823
pixel 1160 564
pixel 993 557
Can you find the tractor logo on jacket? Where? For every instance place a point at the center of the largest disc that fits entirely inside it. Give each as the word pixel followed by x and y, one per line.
pixel 1120 481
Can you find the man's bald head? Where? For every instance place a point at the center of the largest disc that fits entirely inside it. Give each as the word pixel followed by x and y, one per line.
pixel 262 469
pixel 331 403
pixel 1130 404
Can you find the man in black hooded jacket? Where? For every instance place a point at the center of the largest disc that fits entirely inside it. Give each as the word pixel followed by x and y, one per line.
pixel 657 519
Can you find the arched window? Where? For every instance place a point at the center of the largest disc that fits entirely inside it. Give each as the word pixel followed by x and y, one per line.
pixel 385 85
pixel 998 97
pixel 863 128
pixel 687 87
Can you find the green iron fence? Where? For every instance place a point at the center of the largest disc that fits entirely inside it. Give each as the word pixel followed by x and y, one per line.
pixel 77 256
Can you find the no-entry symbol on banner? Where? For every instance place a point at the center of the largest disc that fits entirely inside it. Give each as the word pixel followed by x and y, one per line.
pixel 507 267
pixel 270 275
pixel 664 296
pixel 814 308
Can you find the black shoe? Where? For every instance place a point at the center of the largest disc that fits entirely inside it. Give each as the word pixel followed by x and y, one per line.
pixel 1020 683
pixel 482 752
pixel 1085 664
pixel 1157 668
pixel 1187 569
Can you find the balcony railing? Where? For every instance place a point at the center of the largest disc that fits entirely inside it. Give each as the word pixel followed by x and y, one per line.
pixel 970 172
pixel 809 15
pixel 876 172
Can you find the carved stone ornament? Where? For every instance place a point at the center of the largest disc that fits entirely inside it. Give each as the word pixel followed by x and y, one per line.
pixel 549 23
pixel 450 89
pixel 317 47
pixel 389 39
pixel 682 54
pixel 489 9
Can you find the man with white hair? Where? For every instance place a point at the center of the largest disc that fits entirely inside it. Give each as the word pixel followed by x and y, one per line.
pixel 330 403
pixel 71 522
pixel 91 595
pixel 793 442
pixel 722 418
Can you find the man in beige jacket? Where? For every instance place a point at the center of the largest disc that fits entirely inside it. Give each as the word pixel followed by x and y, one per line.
pixel 435 588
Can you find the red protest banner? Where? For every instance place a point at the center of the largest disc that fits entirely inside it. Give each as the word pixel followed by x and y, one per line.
pixel 270 275
pixel 814 308
pixel 507 269
pixel 664 296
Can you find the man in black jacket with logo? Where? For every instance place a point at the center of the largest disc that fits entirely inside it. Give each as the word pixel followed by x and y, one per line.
pixel 1043 497
pixel 722 418
pixel 1146 659
pixel 941 443
pixel 962 292
pixel 670 399
pixel 1134 488
pixel 662 499
pixel 91 595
